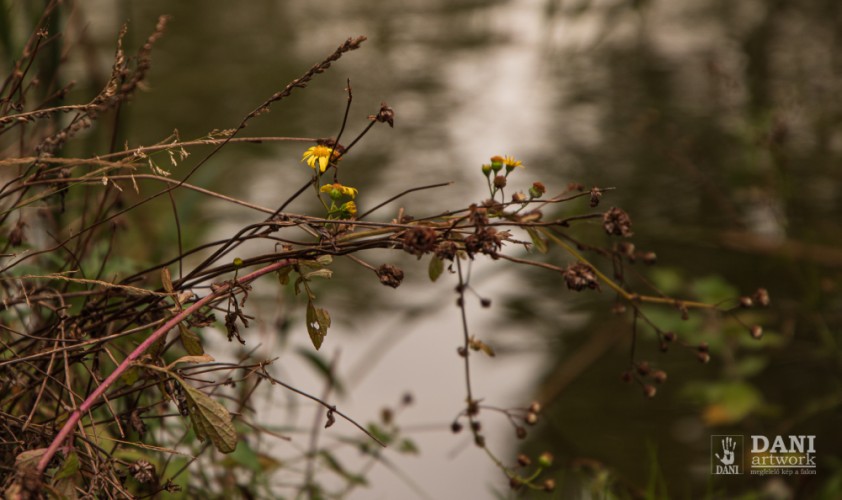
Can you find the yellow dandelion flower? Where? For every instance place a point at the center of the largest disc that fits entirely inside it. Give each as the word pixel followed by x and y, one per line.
pixel 511 163
pixel 337 190
pixel 320 154
pixel 349 208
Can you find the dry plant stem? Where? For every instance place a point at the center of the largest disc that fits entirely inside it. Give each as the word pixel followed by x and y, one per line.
pixel 465 335
pixel 300 82
pixel 134 355
pixel 290 388
pixel 317 420
pixel 617 288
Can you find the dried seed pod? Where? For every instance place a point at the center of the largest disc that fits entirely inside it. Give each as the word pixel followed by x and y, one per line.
pixel 390 275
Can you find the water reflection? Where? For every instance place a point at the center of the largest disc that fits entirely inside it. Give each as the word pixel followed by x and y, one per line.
pixel 714 119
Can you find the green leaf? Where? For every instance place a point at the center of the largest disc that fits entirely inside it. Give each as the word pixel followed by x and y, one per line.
pixel 379 433
pixel 667 280
pixel 538 242
pixel 318 321
pixel 334 465
pixel 245 457
pixel 726 403
pixel 130 376
pixel 408 446
pixel 749 366
pixel 68 468
pixel 323 367
pixel 191 341
pixel 436 268
pixel 210 420
pixel 714 289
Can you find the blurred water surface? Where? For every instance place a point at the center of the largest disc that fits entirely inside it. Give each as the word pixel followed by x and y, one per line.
pixel 717 122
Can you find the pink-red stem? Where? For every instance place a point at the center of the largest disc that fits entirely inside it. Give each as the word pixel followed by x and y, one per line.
pixel 134 355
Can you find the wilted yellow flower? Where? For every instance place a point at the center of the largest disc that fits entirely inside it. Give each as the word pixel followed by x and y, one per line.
pixel 336 190
pixel 319 154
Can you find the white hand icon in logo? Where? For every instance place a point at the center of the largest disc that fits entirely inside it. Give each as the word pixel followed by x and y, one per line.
pixel 727 457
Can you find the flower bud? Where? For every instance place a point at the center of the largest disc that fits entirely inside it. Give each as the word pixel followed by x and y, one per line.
pixel 761 296
pixel 546 459
pixel 549 485
pixel 496 163
pixel 531 418
pixel 659 376
pixel 537 190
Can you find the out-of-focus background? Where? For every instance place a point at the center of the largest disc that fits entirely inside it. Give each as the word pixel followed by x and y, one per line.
pixel 718 123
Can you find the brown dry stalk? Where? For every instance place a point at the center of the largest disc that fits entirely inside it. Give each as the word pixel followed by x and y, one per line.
pixel 86 405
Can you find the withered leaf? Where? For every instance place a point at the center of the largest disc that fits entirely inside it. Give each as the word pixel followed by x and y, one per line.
pixel 318 321
pixel 538 242
pixel 210 420
pixel 191 341
pixel 436 268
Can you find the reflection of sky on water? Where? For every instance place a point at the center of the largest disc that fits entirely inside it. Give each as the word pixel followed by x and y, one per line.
pixel 656 102
pixel 456 106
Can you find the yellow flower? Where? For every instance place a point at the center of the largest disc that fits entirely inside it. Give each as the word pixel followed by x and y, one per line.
pixel 511 163
pixel 336 190
pixel 349 208
pixel 317 153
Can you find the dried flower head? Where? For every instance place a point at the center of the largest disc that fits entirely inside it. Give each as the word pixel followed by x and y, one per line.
pixel 580 276
pixel 596 194
pixel 617 222
pixel 385 115
pixel 390 275
pixel 419 240
pixel 142 471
